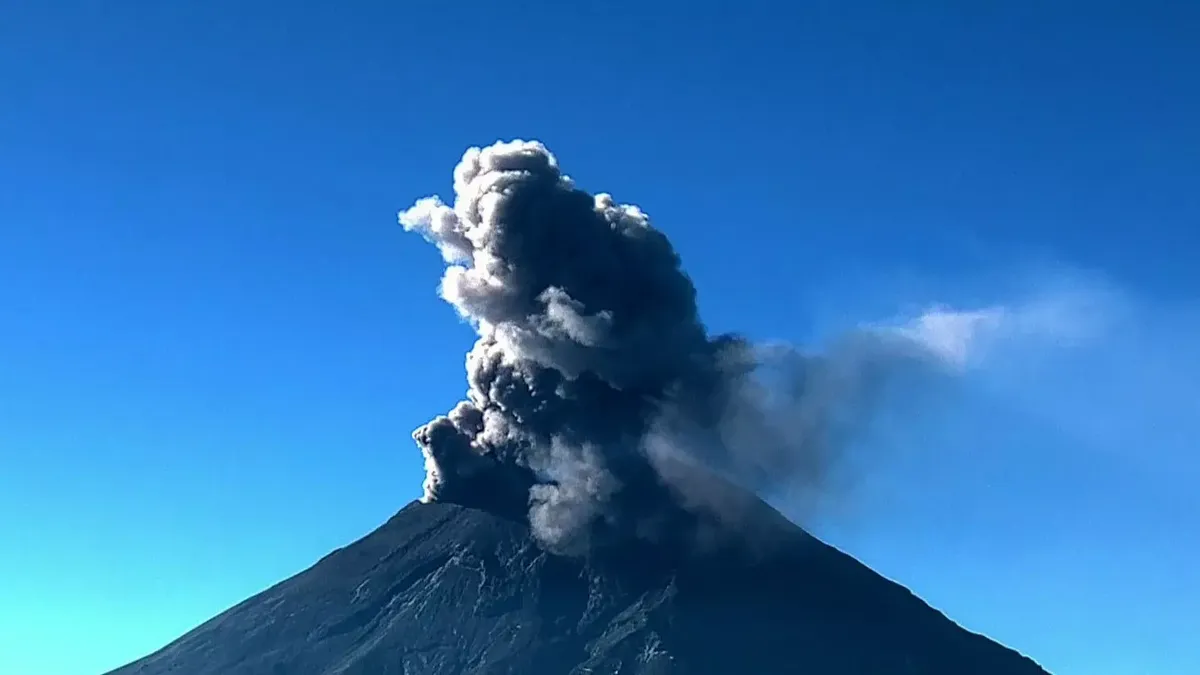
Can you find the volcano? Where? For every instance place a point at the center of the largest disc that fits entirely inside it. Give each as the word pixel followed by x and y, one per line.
pixel 444 589
pixel 591 506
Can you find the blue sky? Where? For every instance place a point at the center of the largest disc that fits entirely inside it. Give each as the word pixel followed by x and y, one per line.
pixel 215 339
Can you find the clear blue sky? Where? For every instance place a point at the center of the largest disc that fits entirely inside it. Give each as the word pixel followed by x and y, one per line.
pixel 215 340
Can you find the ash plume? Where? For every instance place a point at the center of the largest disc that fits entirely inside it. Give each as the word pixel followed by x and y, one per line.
pixel 595 394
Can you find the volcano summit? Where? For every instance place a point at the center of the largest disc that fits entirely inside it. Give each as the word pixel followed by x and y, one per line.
pixel 591 505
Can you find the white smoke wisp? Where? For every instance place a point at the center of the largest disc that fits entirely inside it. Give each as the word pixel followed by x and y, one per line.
pixel 963 339
pixel 953 336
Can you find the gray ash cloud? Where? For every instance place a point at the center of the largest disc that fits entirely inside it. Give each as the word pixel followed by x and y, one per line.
pixel 594 389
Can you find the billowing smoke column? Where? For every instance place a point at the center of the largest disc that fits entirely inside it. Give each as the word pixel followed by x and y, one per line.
pixel 593 385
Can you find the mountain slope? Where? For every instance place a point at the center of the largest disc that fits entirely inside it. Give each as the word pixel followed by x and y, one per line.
pixel 442 589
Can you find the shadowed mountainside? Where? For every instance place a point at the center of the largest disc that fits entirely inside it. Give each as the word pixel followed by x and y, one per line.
pixel 442 589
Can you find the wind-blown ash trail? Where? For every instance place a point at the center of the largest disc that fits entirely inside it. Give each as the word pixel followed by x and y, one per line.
pixel 593 381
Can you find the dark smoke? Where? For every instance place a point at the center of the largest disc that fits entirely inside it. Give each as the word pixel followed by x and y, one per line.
pixel 594 390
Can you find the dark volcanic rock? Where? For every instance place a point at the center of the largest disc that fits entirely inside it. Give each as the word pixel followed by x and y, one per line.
pixel 442 589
